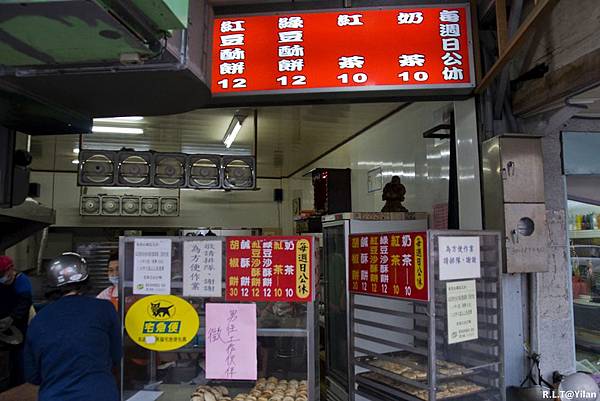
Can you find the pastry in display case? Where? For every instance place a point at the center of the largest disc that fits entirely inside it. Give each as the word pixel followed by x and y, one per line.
pixel 266 389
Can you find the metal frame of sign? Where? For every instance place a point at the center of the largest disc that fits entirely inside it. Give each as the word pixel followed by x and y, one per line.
pixel 362 91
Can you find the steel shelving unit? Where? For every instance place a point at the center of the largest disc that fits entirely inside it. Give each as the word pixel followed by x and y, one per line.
pixel 396 344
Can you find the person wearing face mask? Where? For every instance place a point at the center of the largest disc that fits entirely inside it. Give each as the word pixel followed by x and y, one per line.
pixel 112 293
pixel 15 302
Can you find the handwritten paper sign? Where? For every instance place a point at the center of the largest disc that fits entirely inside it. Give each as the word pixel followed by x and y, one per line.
pixel 269 269
pixel 461 300
pixel 231 341
pixel 459 258
pixel 152 266
pixel 202 263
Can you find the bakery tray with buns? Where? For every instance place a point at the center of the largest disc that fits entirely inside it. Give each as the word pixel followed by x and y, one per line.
pixel 456 389
pixel 413 366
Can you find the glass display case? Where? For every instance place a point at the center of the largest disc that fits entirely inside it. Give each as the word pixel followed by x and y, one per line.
pixel 442 343
pixel 584 236
pixel 336 230
pixel 286 343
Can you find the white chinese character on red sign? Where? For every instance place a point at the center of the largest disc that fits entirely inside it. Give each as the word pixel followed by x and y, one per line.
pixel 288 270
pixel 290 36
pixel 410 18
pixel 452 58
pixel 291 22
pixel 267 262
pixel 291 65
pixel 407 259
pixel 449 30
pixel 351 61
pixel 364 275
pixel 449 16
pixel 411 60
pixel 245 281
pixel 291 51
pixel 364 258
pixel 349 20
pixel 450 44
pixel 406 240
pixel 384 268
pixel 267 272
pixel 232 40
pixel 245 244
pixel 385 278
pixel 232 26
pixel 233 54
pixel 232 68
pixel 453 74
pixel 289 245
pixel 267 282
pixel 244 262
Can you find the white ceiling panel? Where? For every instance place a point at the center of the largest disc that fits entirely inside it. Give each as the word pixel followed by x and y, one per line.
pixel 288 137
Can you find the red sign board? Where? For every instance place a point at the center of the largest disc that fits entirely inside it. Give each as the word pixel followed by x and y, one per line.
pixel 424 47
pixel 269 269
pixel 390 265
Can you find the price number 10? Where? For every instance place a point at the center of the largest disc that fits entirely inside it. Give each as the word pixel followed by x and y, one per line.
pixel 358 78
pixel 417 76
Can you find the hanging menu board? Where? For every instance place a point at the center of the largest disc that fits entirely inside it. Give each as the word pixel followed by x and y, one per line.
pixel 390 265
pixel 269 269
pixel 426 47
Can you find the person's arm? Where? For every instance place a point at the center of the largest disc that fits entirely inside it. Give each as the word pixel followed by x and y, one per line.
pixel 32 361
pixel 115 336
pixel 20 312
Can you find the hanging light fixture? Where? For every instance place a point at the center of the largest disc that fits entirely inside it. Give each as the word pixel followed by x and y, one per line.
pixel 234 128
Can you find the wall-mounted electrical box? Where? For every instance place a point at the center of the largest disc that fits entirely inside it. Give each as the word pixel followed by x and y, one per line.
pixel 514 200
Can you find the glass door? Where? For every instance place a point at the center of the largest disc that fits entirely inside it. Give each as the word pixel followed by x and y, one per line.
pixel 334 241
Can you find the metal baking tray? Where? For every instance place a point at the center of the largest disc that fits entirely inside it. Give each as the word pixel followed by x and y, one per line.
pixel 400 357
pixel 373 385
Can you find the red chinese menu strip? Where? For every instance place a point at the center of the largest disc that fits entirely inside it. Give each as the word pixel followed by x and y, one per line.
pixel 395 48
pixel 269 269
pixel 390 264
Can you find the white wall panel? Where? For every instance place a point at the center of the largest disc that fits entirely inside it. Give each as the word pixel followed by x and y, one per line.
pixel 398 147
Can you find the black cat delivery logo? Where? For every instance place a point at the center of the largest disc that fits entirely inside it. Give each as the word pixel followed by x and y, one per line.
pixel 162 322
pixel 161 313
pixel 161 309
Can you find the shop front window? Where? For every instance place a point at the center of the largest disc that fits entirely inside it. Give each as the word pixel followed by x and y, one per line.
pixel 584 238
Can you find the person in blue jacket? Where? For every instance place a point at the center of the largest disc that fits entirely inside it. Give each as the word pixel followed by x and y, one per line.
pixel 74 343
pixel 15 303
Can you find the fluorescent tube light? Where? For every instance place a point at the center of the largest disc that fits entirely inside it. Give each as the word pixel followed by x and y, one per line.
pixel 76 151
pixel 75 161
pixel 125 120
pixel 117 130
pixel 233 130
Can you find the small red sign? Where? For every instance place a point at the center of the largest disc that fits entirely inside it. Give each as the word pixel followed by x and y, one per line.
pixel 390 265
pixel 269 269
pixel 348 50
